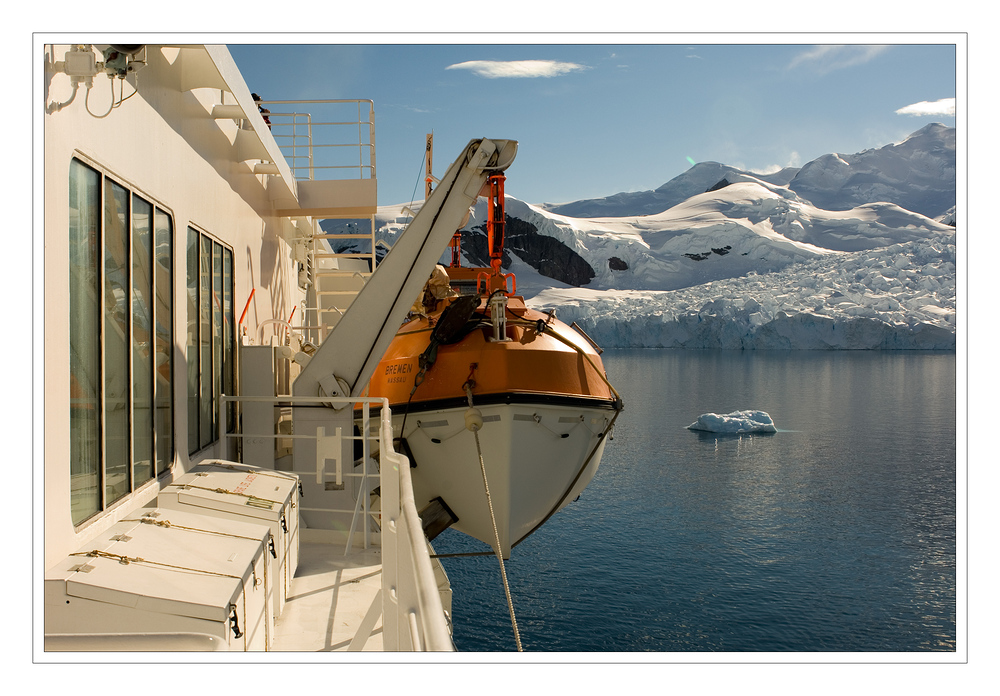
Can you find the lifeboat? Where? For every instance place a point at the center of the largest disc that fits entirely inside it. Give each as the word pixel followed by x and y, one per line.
pixel 504 411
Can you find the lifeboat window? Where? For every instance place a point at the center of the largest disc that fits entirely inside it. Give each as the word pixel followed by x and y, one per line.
pixel 121 331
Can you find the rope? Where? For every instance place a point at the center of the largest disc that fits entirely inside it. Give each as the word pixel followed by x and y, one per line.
pixel 126 560
pixel 545 328
pixel 409 272
pixel 542 327
pixel 271 474
pixel 493 519
pixel 576 478
pixel 167 524
pixel 228 492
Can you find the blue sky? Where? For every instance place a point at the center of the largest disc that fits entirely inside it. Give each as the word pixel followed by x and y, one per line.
pixel 595 119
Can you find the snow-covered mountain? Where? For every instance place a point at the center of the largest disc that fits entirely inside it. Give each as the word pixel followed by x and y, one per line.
pixel 698 179
pixel 917 174
pixel 896 297
pixel 736 260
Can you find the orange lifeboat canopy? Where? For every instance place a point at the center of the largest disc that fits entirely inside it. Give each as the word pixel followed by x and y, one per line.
pixel 542 360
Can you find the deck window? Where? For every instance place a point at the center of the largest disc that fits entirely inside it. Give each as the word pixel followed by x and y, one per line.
pixel 84 341
pixel 118 439
pixel 116 342
pixel 211 337
pixel 143 376
pixel 163 319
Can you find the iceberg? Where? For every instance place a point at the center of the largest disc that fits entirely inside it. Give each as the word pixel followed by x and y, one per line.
pixel 737 422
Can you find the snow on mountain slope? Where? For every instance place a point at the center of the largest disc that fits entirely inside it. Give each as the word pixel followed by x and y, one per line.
pixel 698 179
pixel 917 174
pixel 743 261
pixel 729 232
pixel 900 297
pixel 690 244
pixel 751 268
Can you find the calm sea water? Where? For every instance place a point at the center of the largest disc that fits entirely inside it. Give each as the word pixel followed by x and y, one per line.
pixel 835 534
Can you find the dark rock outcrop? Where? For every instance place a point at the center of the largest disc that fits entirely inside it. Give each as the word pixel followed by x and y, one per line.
pixel 545 254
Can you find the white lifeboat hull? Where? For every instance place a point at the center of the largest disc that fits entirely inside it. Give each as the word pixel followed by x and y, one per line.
pixel 537 458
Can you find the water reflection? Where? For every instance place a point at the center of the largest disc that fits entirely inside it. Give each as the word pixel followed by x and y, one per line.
pixel 835 534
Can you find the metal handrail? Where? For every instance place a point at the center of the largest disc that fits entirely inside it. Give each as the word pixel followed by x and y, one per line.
pixel 310 140
pixel 412 614
pixel 299 147
pixel 315 252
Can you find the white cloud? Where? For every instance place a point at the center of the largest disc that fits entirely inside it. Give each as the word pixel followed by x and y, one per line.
pixel 517 68
pixel 408 107
pixel 941 107
pixel 828 58
pixel 794 160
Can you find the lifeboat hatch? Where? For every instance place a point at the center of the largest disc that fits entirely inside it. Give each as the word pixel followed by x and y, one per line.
pixel 436 518
pixel 403 447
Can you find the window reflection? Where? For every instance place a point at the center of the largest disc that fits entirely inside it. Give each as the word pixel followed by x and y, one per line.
pixel 211 337
pixel 164 313
pixel 84 344
pixel 117 374
pixel 116 341
pixel 193 239
pixel 142 355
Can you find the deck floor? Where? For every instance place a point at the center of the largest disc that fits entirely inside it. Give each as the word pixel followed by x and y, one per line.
pixel 329 598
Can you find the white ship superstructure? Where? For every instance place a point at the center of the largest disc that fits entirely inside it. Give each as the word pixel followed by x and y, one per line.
pixel 215 476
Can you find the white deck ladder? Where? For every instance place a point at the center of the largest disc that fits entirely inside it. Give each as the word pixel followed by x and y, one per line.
pixel 333 289
pixel 318 144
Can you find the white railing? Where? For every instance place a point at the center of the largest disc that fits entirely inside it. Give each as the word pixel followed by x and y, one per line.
pixel 419 620
pixel 413 617
pixel 314 135
pixel 327 140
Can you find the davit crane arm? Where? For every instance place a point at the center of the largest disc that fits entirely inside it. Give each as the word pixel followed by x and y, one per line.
pixel 348 357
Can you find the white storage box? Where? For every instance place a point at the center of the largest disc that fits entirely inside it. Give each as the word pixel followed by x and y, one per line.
pixel 251 494
pixel 160 574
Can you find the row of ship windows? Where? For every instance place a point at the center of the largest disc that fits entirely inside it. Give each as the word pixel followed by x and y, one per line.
pixel 121 317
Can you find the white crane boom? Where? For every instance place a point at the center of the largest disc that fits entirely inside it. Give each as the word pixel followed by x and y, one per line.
pixel 355 346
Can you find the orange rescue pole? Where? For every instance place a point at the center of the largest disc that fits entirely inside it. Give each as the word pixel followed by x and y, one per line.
pixel 244 315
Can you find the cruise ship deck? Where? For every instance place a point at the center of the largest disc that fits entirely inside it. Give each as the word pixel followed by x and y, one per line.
pixel 329 599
